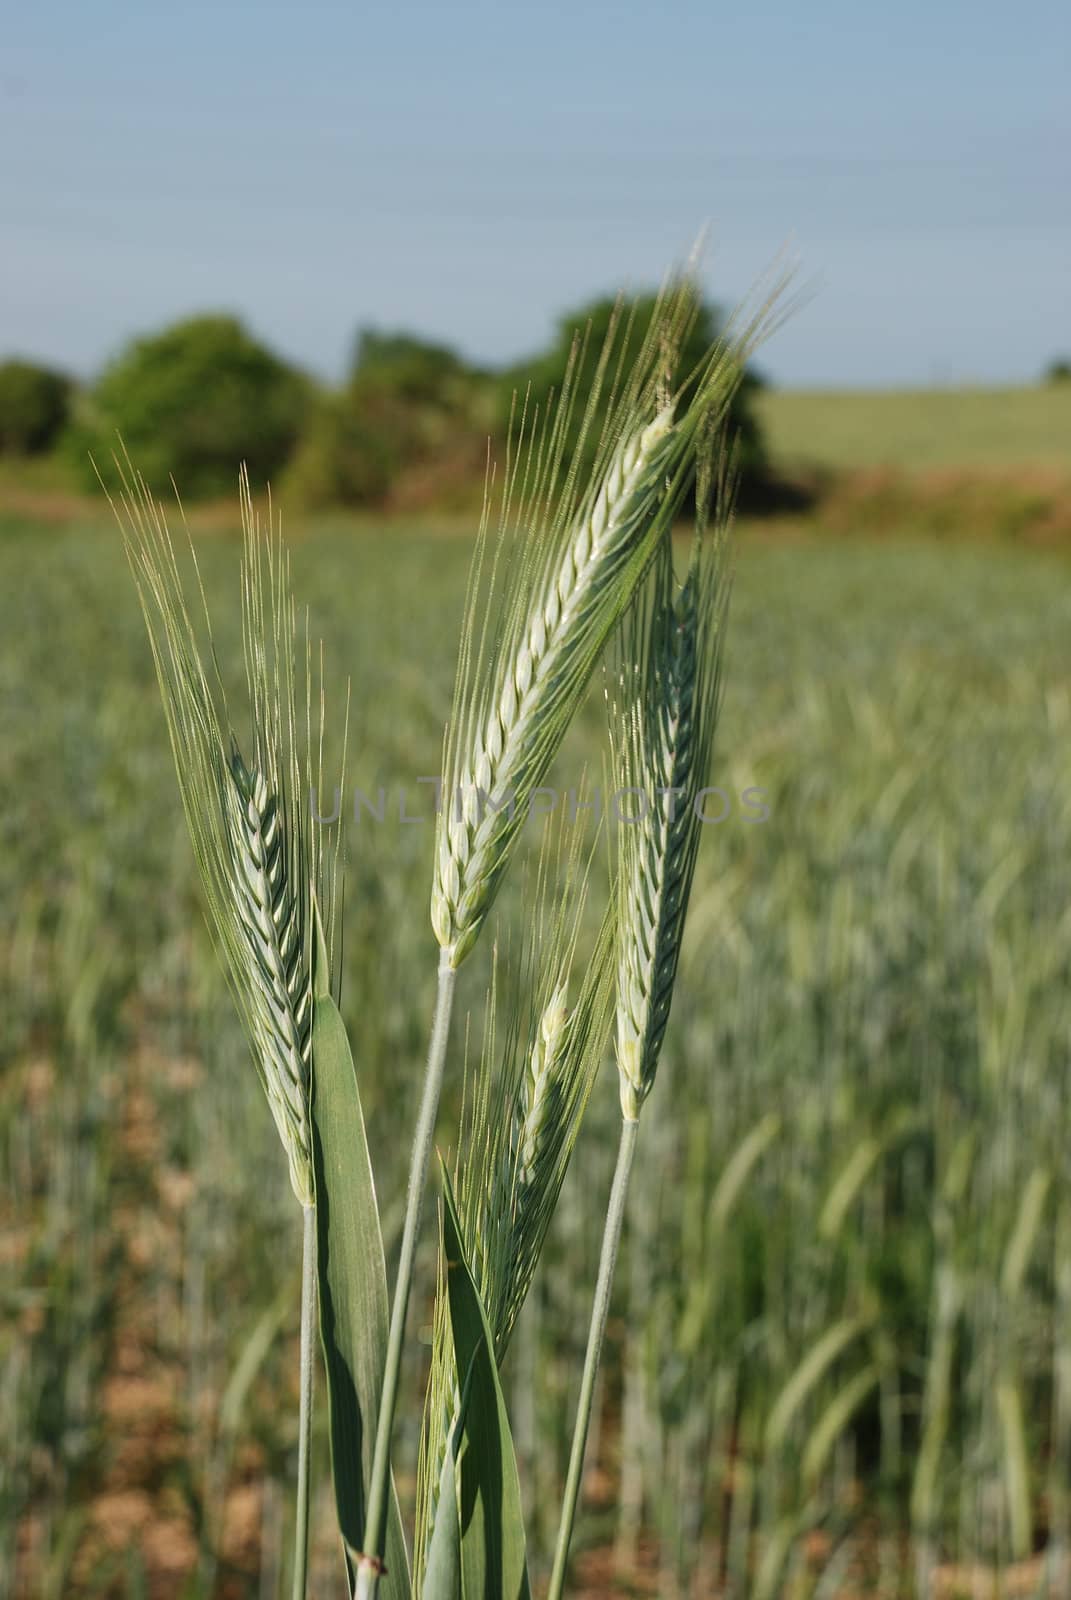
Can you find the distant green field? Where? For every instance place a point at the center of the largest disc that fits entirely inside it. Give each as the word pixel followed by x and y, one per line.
pixel 917 430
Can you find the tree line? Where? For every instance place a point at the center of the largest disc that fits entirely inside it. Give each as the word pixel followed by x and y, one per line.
pixel 408 426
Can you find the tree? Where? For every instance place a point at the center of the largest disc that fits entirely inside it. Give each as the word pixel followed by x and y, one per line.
pixel 347 456
pixel 410 368
pixel 409 406
pixel 194 402
pixel 34 403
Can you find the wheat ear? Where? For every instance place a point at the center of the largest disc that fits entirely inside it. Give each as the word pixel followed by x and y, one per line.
pixel 662 730
pixel 567 627
pixel 537 1106
pixel 278 962
pixel 670 680
pixel 568 560
pixel 258 849
pixel 513 1186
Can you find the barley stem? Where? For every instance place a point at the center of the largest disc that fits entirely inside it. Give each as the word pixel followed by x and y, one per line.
pixel 308 1306
pixel 368 1571
pixel 611 1238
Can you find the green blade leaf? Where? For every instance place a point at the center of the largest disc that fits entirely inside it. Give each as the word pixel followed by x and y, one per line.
pixel 352 1277
pixel 442 1571
pixel 493 1561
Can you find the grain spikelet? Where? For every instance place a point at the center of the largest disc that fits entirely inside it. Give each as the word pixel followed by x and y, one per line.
pixel 258 849
pixel 668 693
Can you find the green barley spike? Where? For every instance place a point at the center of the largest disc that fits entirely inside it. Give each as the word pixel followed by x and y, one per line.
pixel 663 734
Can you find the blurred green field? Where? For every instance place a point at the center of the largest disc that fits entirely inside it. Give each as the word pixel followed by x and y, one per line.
pixel 917 431
pixel 840 1354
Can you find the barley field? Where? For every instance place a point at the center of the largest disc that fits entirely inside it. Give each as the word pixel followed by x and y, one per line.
pixel 838 1359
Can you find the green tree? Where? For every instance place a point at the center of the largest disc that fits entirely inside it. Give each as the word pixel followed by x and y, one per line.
pixel 409 406
pixel 410 368
pixel 34 404
pixel 194 402
pixel 348 456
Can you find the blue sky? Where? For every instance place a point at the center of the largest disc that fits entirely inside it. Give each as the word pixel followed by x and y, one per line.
pixel 471 170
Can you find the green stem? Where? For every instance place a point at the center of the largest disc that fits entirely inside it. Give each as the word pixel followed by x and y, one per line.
pixel 308 1306
pixel 611 1238
pixel 375 1527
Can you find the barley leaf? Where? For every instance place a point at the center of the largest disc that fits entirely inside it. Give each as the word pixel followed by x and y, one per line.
pixel 493 1561
pixel 442 1571
pixel 352 1282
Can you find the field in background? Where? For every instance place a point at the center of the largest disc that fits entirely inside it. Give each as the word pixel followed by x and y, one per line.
pixel 919 430
pixel 839 1357
pixel 971 464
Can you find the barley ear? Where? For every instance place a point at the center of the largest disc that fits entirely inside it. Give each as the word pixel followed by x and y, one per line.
pixel 668 687
pixel 568 557
pixel 245 796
